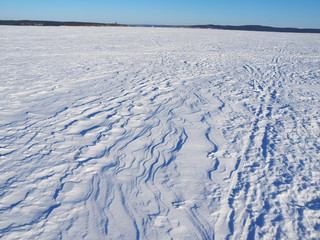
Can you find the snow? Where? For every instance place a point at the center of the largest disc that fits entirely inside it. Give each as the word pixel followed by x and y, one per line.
pixel 158 133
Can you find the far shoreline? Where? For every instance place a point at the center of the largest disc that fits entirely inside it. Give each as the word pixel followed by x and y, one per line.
pixel 257 28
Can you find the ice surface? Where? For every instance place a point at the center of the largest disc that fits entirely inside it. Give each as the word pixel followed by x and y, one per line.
pixel 155 133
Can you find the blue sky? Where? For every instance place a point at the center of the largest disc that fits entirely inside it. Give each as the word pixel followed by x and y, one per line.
pixel 278 13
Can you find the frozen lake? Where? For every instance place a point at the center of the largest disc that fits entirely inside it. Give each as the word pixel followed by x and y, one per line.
pixel 158 133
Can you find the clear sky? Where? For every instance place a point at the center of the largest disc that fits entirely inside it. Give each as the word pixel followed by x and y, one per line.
pixel 277 13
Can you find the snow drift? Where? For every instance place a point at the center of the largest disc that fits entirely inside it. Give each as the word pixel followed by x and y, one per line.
pixel 142 133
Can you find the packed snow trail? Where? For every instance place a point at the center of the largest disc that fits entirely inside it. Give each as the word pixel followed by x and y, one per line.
pixel 155 133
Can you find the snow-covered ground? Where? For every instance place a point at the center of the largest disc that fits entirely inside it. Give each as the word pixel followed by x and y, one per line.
pixel 155 133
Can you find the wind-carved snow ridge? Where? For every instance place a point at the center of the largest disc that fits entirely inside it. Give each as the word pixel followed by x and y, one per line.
pixel 141 133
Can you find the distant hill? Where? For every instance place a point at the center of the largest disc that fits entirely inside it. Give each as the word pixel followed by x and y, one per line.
pixel 209 26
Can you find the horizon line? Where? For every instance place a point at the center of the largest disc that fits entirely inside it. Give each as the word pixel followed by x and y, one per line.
pixel 210 25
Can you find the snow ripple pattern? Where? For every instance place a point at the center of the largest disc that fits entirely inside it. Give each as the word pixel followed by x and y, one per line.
pixel 142 133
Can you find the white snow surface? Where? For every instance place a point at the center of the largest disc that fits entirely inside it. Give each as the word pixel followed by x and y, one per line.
pixel 158 133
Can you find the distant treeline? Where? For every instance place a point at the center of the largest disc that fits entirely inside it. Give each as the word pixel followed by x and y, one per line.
pixel 259 28
pixel 54 23
pixel 210 26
